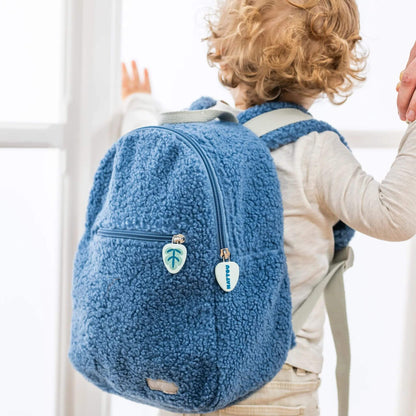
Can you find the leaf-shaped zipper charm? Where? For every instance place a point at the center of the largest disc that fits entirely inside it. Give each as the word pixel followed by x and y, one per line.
pixel 174 257
pixel 227 273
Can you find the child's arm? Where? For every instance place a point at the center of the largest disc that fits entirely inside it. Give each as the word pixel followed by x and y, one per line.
pixel 385 210
pixel 139 107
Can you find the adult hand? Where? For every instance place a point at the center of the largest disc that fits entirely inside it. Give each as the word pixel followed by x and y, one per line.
pixel 130 85
pixel 406 99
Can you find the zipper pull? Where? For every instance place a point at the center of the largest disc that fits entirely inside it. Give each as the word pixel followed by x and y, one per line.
pixel 227 272
pixel 174 254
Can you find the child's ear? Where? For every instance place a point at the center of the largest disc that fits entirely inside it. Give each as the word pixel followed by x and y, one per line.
pixel 224 73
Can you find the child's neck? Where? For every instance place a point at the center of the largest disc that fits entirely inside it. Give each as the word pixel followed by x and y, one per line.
pixel 305 102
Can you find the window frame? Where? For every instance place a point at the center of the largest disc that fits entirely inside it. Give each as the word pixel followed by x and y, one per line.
pixel 91 77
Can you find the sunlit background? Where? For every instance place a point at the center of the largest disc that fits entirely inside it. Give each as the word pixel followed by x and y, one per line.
pixel 166 37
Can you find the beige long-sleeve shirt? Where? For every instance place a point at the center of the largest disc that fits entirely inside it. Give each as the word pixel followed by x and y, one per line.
pixel 322 182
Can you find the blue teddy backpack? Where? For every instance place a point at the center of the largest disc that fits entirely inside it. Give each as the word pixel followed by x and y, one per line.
pixel 180 294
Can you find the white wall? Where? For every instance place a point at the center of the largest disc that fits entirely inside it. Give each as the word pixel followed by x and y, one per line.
pixel 31 45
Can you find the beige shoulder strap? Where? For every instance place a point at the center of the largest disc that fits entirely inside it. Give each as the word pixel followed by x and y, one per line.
pixel 332 285
pixel 272 120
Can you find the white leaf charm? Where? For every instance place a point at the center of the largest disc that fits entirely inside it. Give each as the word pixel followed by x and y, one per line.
pixel 227 273
pixel 174 256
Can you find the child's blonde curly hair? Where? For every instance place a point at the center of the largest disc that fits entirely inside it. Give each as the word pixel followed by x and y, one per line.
pixel 306 47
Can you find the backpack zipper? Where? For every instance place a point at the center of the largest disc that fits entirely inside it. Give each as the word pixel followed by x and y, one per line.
pixel 135 235
pixel 218 201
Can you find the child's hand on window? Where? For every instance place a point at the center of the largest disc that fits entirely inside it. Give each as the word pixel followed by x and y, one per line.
pixel 131 85
pixel 406 99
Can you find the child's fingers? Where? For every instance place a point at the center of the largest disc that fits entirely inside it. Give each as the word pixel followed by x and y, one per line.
pixel 133 84
pixel 146 82
pixel 136 78
pixel 124 73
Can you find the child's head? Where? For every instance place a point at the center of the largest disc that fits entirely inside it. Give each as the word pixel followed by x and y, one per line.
pixel 276 48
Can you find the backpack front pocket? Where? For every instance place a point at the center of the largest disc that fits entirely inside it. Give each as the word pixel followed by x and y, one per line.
pixel 173 254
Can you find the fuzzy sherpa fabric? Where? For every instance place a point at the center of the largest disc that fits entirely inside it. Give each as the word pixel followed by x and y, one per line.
pixel 202 103
pixel 133 320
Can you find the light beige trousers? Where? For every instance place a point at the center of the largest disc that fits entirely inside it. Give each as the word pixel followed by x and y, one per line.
pixel 291 392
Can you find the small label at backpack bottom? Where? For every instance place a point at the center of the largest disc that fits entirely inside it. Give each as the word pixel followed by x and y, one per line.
pixel 227 273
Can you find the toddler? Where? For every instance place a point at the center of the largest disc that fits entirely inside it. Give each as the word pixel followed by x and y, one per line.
pixel 297 51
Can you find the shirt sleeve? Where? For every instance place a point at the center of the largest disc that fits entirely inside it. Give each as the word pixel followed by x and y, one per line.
pixel 138 110
pixel 385 210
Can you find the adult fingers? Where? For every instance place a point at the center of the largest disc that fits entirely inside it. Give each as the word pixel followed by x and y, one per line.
pixel 411 112
pixel 412 55
pixel 405 102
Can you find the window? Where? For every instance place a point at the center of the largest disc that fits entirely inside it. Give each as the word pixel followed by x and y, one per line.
pixel 31 41
pixel 53 131
pixel 29 284
pixel 30 189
